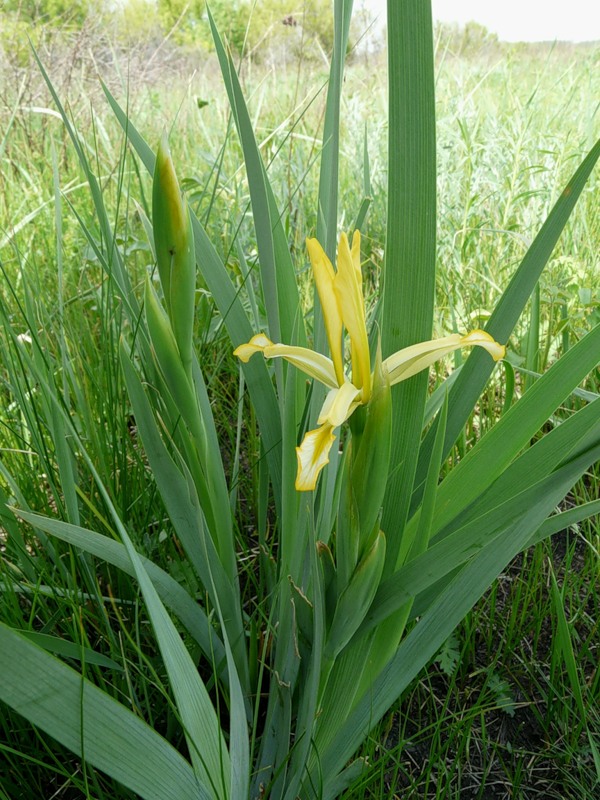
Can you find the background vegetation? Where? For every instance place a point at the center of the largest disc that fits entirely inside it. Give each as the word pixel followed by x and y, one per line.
pixel 496 714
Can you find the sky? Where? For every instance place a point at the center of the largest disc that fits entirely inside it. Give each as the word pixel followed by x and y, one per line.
pixel 520 20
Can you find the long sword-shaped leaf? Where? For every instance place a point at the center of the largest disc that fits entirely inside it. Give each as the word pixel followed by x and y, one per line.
pixel 205 740
pixel 171 593
pixel 92 724
pixel 409 276
pixel 278 279
pixel 485 462
pixel 478 367
pixel 178 497
pixel 327 211
pixel 208 751
pixel 580 431
pixel 448 554
pixel 330 154
pixel 441 618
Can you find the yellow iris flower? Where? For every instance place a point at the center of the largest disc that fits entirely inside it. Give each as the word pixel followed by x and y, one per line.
pixel 342 301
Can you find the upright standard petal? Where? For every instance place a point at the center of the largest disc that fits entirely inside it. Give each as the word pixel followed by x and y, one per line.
pixel 349 294
pixel 313 455
pixel 324 280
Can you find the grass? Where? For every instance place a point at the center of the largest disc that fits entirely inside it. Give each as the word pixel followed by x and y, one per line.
pixel 496 715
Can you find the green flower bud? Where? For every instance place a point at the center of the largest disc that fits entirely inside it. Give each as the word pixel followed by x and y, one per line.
pixel 166 354
pixel 175 254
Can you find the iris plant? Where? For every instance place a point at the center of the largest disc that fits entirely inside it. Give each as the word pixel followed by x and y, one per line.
pixel 342 301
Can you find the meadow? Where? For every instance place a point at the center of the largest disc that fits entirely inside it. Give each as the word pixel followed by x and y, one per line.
pixel 508 707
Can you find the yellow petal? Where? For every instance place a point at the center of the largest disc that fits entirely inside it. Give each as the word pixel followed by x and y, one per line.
pixel 314 364
pixel 256 344
pixel 411 360
pixel 324 278
pixel 313 455
pixel 483 339
pixel 348 291
pixel 339 404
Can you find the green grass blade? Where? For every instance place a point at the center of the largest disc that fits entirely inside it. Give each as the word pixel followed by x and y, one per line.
pixel 563 638
pixel 92 724
pixel 117 270
pixel 565 643
pixel 409 274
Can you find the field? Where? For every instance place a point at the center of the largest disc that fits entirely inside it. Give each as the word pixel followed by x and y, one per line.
pixel 498 712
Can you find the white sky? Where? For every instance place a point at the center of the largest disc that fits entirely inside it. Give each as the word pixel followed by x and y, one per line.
pixel 520 20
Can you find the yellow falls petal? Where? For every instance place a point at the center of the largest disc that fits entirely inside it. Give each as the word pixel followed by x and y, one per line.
pixel 256 344
pixel 411 360
pixel 348 291
pixel 324 278
pixel 313 455
pixel 483 339
pixel 310 362
pixel 314 364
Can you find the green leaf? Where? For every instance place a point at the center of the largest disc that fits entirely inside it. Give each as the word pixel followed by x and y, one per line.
pixel 282 302
pixel 478 367
pixel 90 723
pixel 330 154
pixel 485 462
pixel 204 737
pixel 578 432
pixel 187 517
pixel 62 647
pixel 441 617
pixel 565 519
pixel 171 593
pixel 208 751
pixel 409 272
pixel 490 515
